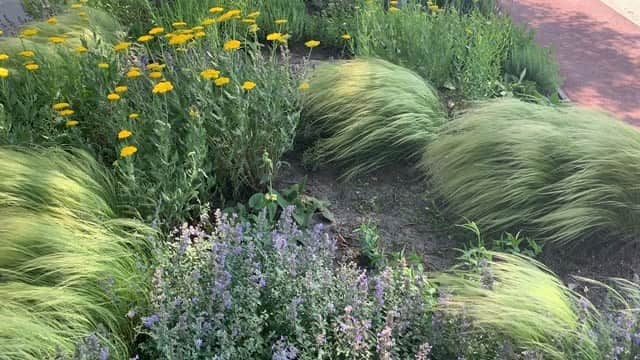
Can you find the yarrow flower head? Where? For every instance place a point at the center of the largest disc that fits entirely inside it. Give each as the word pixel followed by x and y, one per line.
pixel 248 85
pixel 232 45
pixel 56 39
pixel 4 72
pixel 121 46
pixel 27 53
pixel 128 151
pixel 346 37
pixel 81 49
pixel 123 134
pixel 312 43
pixel 162 87
pixel 120 89
pixel 103 65
pixel 156 30
pixel 179 24
pixel 281 21
pixel 113 97
pixel 304 86
pixel 71 123
pixel 134 116
pixel 222 81
pixel 210 74
pixel 60 106
pixel 155 74
pixel 29 32
pixel 66 112
pixel 145 38
pixel 216 9
pixel 3 56
pixel 133 73
pixel 32 67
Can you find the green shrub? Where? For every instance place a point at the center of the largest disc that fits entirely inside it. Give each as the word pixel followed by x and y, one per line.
pixel 536 63
pixel 369 113
pixel 68 264
pixel 465 6
pixel 462 53
pixel 522 301
pixel 558 174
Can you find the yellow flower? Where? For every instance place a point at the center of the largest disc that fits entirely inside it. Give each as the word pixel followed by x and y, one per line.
pixel 32 67
pixel 200 34
pixel 274 36
pixel 208 21
pixel 1 32
pixel 232 45
pixel 103 65
pixel 180 39
pixel 133 73
pixel 120 89
pixel 66 112
pixel 56 39
pixel 128 151
pixel 3 56
pixel 71 123
pixel 271 197
pixel 228 15
pixel 134 116
pixel 210 74
pixel 121 46
pixel 162 87
pixel 281 21
pixel 222 81
pixel 248 21
pixel 76 6
pixel 156 30
pixel 248 85
pixel 215 10
pixel 4 72
pixel 27 53
pixel 254 14
pixel 197 28
pixel 145 38
pixel 81 49
pixel 29 32
pixel 155 74
pixel 82 13
pixel 156 67
pixel 346 37
pixel 304 86
pixel 52 21
pixel 393 9
pixel 113 97
pixel 253 28
pixel 60 106
pixel 179 24
pixel 284 38
pixel 312 43
pixel 123 134
pixel 393 2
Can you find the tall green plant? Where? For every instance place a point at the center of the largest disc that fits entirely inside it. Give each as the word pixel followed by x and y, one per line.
pixel 369 113
pixel 68 264
pixel 559 174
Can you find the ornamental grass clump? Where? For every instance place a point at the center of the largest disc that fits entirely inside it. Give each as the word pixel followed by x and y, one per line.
pixel 69 267
pixel 559 174
pixel 522 302
pixel 369 113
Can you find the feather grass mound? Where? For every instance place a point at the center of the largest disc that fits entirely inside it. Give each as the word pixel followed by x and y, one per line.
pixel 521 300
pixel 68 265
pixel 370 113
pixel 559 174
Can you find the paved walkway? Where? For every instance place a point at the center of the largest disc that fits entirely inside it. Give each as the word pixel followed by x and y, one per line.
pixel 598 50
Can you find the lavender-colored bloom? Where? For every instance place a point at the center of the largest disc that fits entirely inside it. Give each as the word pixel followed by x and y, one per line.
pixel 198 343
pixel 424 352
pixel 281 350
pixel 279 242
pixel 385 343
pixel 149 321
pixel 104 354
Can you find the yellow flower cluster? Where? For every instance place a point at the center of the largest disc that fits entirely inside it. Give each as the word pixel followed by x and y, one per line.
pixel 64 109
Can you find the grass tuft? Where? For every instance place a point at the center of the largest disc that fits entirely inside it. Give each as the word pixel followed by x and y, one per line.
pixel 520 299
pixel 559 174
pixel 68 265
pixel 370 113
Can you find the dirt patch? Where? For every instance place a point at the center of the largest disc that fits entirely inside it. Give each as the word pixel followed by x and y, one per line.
pixel 393 198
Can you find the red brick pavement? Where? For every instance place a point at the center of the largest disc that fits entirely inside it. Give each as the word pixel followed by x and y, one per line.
pixel 598 50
